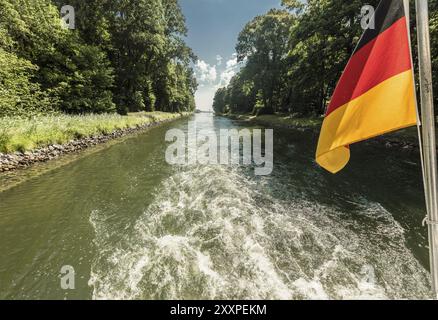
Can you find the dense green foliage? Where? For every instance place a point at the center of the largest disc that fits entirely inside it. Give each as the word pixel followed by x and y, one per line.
pixel 292 58
pixel 124 55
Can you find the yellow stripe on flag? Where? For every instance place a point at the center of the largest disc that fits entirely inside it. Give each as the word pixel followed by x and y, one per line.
pixel 387 107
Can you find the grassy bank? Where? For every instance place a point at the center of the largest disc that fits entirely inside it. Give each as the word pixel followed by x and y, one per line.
pixel 20 134
pixel 278 120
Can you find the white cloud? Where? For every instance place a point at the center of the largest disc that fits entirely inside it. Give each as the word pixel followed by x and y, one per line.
pixel 212 77
pixel 204 97
pixel 232 62
pixel 232 67
pixel 226 77
pixel 205 73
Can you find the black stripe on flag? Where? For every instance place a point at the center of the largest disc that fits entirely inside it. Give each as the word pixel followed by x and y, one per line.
pixel 387 13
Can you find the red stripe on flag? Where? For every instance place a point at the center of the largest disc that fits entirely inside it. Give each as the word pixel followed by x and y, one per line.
pixel 382 58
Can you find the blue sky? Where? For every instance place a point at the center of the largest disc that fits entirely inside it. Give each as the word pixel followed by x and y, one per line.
pixel 214 26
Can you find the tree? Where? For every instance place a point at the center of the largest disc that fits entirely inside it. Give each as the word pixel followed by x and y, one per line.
pixel 128 53
pixel 263 43
pixel 74 75
pixel 19 95
pixel 295 56
pixel 219 101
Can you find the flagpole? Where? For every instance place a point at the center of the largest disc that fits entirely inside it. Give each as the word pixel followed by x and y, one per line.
pixel 429 139
pixel 420 135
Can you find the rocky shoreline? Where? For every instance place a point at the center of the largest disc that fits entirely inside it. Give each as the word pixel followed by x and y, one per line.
pixel 21 160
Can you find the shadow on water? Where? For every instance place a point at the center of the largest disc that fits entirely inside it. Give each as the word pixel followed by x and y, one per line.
pixel 388 176
pixel 134 227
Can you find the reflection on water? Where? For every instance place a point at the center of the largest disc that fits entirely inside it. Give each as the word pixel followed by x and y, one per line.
pixel 134 227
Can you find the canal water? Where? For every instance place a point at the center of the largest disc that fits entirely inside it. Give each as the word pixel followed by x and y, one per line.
pixel 134 227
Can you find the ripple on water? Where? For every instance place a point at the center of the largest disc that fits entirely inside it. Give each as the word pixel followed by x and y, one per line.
pixel 210 233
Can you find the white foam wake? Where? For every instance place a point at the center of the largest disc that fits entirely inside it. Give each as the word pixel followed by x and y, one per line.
pixel 211 233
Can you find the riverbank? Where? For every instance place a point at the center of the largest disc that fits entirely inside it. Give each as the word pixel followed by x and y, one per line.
pixel 406 139
pixel 279 121
pixel 24 142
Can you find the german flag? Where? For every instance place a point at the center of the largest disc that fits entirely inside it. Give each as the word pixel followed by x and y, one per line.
pixel 375 94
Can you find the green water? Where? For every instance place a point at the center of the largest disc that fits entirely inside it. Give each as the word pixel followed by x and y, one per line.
pixel 134 227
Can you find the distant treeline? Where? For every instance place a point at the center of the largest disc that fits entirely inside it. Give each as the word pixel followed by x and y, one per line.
pixel 292 58
pixel 123 55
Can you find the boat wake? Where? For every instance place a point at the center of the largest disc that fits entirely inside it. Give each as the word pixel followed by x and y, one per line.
pixel 213 233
